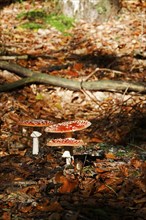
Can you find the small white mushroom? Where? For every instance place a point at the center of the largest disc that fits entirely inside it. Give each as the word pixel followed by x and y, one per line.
pixel 35 135
pixel 68 157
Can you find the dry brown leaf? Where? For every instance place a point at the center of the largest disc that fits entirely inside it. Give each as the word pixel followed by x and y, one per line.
pixel 100 170
pixel 25 209
pixel 141 185
pixel 78 66
pixel 6 216
pixel 110 156
pixel 68 185
pixel 102 188
pixel 124 170
pixel 136 163
pixel 53 207
pixel 71 73
pixel 95 140
pixel 30 190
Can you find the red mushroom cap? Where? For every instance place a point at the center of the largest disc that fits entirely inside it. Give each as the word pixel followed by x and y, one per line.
pixel 65 142
pixel 35 123
pixel 68 126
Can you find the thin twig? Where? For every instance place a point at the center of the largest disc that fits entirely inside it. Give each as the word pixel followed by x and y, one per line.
pixel 109 187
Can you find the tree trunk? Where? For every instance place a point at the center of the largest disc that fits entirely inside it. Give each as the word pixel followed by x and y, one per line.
pixel 90 10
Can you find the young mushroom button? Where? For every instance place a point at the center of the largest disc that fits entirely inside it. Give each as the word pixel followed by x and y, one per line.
pixel 35 123
pixel 68 144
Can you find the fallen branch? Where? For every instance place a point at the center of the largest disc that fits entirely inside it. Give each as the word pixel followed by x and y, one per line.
pixel 18 70
pixel 101 85
pixel 14 57
pixel 42 78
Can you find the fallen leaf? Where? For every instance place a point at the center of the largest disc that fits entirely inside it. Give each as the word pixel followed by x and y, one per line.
pixel 102 188
pixel 95 140
pixel 136 163
pixel 68 185
pixel 124 170
pixel 72 73
pixel 78 66
pixel 6 216
pixel 110 156
pixel 25 208
pixel 100 170
pixel 53 207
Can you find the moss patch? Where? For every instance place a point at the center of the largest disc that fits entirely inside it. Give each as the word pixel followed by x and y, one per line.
pixel 32 15
pixel 40 19
pixel 60 22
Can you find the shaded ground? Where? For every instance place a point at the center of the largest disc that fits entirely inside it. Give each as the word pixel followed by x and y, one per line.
pixel 35 188
pixel 106 181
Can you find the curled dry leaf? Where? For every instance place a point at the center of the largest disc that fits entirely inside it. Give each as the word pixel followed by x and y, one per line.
pixel 68 185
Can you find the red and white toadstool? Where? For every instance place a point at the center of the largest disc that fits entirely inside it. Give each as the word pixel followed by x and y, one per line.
pixel 68 127
pixel 35 123
pixel 68 143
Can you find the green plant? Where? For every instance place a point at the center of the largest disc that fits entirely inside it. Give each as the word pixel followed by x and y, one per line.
pixel 32 15
pixel 31 25
pixel 60 22
pixel 36 19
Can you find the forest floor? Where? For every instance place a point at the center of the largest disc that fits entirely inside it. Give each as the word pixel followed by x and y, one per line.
pixel 107 179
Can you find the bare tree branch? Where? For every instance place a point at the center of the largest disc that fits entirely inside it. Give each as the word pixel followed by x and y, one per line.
pixel 42 78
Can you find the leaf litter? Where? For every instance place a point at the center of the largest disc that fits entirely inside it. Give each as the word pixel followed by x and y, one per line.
pixel 108 177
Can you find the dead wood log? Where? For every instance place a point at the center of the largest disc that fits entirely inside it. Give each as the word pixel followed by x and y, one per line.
pixel 42 78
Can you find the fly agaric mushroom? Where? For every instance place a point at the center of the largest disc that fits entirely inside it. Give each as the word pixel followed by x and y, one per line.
pixel 36 123
pixel 68 127
pixel 68 143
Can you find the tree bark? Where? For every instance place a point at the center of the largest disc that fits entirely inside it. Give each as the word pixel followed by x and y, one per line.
pixel 37 77
pixel 89 10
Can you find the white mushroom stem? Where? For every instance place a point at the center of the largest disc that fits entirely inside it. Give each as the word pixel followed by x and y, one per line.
pixel 35 148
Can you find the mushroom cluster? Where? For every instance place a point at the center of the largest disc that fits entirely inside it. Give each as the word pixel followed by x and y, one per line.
pixel 65 127
pixel 68 143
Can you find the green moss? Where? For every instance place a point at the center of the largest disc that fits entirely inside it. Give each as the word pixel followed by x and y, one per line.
pixel 31 25
pixel 39 19
pixel 60 22
pixel 32 15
